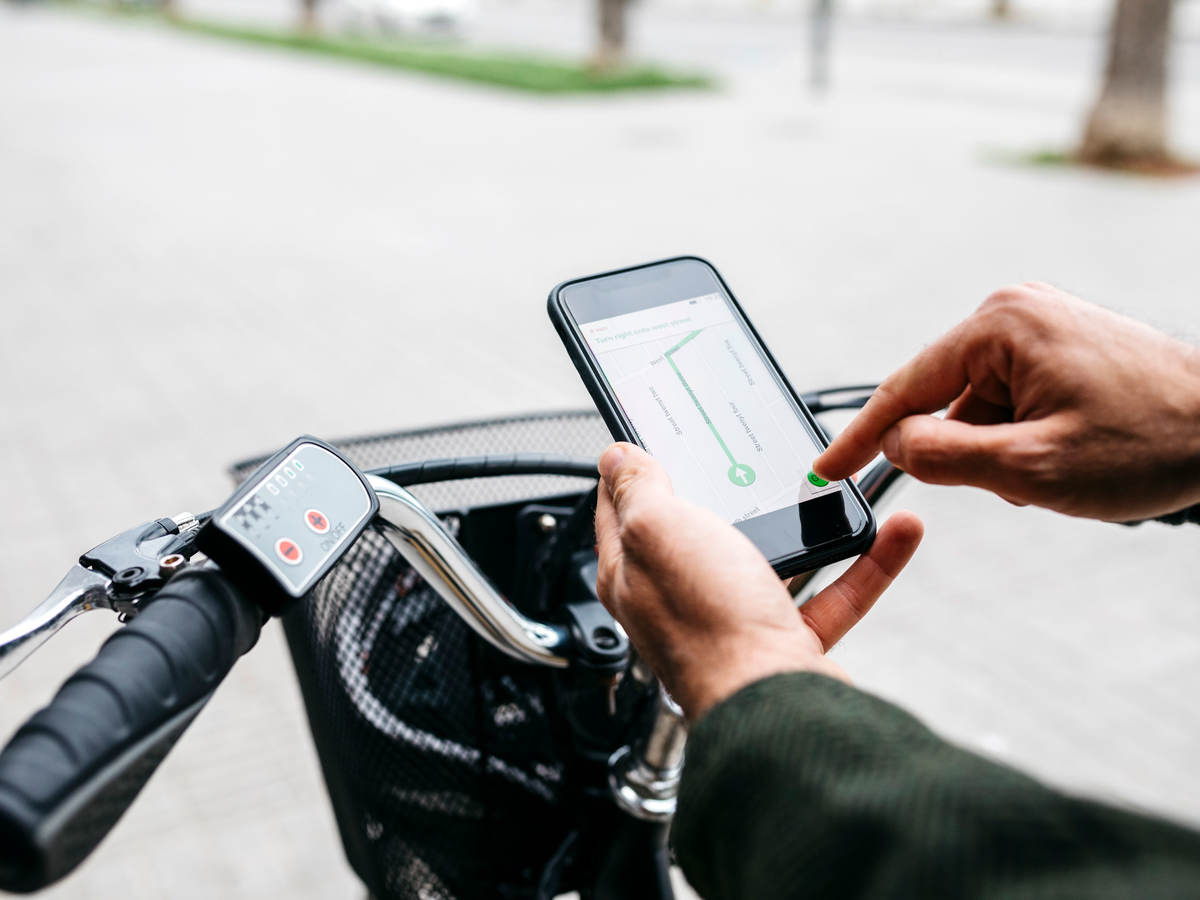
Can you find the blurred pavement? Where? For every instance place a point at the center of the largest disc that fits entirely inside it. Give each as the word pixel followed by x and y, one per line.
pixel 206 249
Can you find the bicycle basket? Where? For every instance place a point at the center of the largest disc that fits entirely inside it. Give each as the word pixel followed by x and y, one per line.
pixel 444 773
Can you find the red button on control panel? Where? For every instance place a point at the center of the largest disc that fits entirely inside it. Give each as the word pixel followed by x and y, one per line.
pixel 316 521
pixel 289 551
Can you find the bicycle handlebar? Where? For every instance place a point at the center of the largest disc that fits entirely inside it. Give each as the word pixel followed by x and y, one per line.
pixel 72 770
pixel 432 551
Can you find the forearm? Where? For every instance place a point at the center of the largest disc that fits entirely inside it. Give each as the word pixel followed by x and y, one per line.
pixel 802 786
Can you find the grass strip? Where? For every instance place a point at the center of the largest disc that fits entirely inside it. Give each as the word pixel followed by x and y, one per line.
pixel 507 69
pixel 1170 167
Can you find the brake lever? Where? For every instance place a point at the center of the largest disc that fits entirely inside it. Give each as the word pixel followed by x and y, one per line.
pixel 80 590
pixel 120 574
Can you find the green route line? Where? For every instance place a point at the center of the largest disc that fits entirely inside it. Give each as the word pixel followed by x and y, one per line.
pixel 739 474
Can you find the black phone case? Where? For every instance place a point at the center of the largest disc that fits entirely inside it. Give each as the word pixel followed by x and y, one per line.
pixel 622 429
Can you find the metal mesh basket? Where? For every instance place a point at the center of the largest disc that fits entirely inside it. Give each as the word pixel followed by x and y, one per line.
pixel 445 771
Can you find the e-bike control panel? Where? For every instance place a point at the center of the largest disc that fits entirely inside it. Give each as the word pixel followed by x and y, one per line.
pixel 291 521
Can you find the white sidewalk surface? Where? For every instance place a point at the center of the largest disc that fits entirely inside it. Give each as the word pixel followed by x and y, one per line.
pixel 207 249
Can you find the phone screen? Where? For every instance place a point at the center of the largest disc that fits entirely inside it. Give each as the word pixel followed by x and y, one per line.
pixel 706 402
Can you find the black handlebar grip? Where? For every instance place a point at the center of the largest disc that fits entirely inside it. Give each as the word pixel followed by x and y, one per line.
pixel 73 769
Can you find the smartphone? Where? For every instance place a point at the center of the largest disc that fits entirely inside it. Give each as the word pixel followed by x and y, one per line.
pixel 675 366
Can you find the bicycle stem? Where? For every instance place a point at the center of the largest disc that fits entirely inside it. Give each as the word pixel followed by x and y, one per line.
pixel 644 777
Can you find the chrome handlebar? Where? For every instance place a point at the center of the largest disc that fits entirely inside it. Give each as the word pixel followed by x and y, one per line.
pixel 643 777
pixel 415 532
pixel 424 542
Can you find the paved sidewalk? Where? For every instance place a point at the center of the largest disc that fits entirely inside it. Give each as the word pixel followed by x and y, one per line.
pixel 207 249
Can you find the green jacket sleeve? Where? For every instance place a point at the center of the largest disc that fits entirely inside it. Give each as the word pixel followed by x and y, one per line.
pixel 801 786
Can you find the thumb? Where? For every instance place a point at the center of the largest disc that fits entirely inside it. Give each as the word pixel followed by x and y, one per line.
pixel 632 477
pixel 944 451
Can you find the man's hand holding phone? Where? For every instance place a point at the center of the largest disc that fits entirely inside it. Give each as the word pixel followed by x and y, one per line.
pixel 699 600
pixel 675 366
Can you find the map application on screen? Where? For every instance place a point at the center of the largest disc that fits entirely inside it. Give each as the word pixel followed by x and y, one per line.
pixel 705 405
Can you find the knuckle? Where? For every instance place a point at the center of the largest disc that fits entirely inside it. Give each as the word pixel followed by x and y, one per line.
pixel 926 454
pixel 885 399
pixel 639 528
pixel 1034 459
pixel 622 488
pixel 999 299
pixel 918 443
pixel 1021 312
pixel 1014 300
pixel 606 576
pixel 919 452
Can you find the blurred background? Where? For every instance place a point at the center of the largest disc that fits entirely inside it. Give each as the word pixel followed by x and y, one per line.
pixel 224 223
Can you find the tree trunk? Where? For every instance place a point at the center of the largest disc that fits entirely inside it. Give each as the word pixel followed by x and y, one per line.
pixel 610 49
pixel 1128 125
pixel 820 27
pixel 308 17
